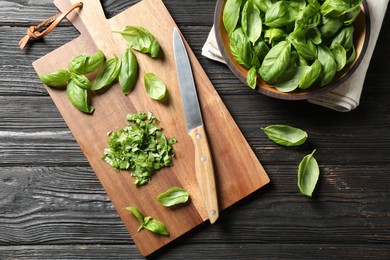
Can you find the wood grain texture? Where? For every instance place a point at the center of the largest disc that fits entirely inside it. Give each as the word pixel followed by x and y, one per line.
pixel 52 206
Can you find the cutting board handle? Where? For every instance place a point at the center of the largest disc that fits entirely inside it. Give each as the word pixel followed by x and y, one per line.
pixel 91 22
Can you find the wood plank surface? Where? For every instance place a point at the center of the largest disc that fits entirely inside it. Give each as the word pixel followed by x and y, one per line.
pixel 52 206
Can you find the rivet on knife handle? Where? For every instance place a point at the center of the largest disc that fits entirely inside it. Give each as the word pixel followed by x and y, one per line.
pixel 205 172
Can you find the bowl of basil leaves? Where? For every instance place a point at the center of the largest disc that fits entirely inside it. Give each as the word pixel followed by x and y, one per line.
pixel 292 50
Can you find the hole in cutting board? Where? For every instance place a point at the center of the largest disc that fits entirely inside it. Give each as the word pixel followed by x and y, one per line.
pixel 114 7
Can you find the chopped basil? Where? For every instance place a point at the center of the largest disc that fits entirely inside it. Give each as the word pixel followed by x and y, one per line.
pixel 139 147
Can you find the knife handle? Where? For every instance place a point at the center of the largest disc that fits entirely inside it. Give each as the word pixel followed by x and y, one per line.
pixel 205 172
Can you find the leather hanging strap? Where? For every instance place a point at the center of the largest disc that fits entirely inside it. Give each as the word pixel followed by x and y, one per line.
pixel 34 32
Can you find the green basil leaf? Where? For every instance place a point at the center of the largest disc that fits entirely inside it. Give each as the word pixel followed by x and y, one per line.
pixel 173 196
pixel 351 16
pixel 251 78
pixel 136 213
pixel 107 74
pixel 78 97
pixel 240 47
pixel 81 81
pixel 83 64
pixel 281 13
pixel 263 5
pixel 329 65
pixel 309 17
pixel 274 35
pixel 155 87
pixel 291 69
pixel 285 135
pixel 140 39
pixel 331 25
pixel 310 76
pixel 260 50
pixel 305 48
pixel 77 63
pixel 156 226
pixel 352 56
pixel 275 62
pixel 293 83
pixel 56 79
pixel 344 38
pixel 251 21
pixel 231 15
pixel 340 56
pixel 335 8
pixel 308 173
pixel 129 71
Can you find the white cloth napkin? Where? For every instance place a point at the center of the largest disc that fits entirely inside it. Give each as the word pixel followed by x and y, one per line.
pixel 346 97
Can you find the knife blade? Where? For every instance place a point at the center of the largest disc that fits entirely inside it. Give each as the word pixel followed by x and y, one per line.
pixel 195 128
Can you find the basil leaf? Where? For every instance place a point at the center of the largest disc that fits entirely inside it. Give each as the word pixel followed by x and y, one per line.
pixel 293 83
pixel 136 213
pixel 337 8
pixel 344 38
pixel 285 135
pixel 173 196
pixel 148 222
pixel 329 66
pixel 314 35
pixel 231 15
pixel 260 50
pixel 251 21
pixel 83 64
pixel 140 39
pixel 92 63
pixel 290 70
pixel 78 97
pixel 155 87
pixel 263 5
pixel 352 57
pixel 81 81
pixel 274 35
pixel 240 47
pixel 251 78
pixel 77 63
pixel 129 71
pixel 56 79
pixel 351 16
pixel 305 48
pixel 281 13
pixel 107 74
pixel 156 226
pixel 310 76
pixel 275 62
pixel 340 56
pixel 308 173
pixel 331 25
pixel 309 17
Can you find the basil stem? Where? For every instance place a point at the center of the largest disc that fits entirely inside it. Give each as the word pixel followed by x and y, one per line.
pixel 173 196
pixel 107 74
pixel 285 135
pixel 56 79
pixel 129 71
pixel 155 87
pixel 308 173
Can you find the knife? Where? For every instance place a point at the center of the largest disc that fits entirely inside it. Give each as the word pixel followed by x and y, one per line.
pixel 195 128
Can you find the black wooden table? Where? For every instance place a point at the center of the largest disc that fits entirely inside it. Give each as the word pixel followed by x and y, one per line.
pixel 53 207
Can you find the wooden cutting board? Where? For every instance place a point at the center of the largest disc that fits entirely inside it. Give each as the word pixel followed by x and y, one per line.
pixel 238 171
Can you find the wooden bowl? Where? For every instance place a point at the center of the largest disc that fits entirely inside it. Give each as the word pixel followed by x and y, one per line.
pixel 361 39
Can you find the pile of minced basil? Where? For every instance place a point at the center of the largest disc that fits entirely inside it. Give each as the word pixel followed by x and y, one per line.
pixel 291 44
